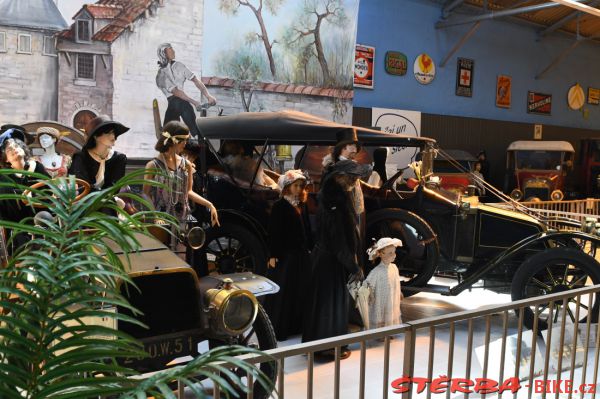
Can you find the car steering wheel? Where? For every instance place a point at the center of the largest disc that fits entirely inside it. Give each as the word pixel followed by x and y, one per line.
pixel 27 193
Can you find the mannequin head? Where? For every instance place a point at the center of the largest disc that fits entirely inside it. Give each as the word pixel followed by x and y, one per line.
pixel 47 141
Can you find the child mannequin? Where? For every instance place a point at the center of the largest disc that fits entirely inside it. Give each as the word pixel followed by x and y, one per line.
pixel 290 245
pixel 56 164
pixel 384 282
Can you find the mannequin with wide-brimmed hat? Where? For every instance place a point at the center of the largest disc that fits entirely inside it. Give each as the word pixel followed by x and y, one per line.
pixel 97 163
pixel 56 164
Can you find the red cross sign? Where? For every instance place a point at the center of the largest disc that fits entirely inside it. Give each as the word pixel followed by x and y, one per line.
pixel 465 77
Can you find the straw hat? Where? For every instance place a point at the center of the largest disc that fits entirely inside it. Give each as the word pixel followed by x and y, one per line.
pixel 381 244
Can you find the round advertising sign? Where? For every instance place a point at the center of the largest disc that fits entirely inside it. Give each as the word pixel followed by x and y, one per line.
pixel 424 69
pixel 576 97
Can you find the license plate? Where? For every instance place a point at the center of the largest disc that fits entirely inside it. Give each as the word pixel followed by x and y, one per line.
pixel 164 348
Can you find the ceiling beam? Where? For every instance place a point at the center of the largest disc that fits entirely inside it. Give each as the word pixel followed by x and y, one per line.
pixel 509 13
pixel 495 14
pixel 578 6
pixel 449 6
pixel 564 20
pixel 564 53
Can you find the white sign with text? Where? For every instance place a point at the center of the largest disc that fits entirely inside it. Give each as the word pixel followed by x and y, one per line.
pixel 402 122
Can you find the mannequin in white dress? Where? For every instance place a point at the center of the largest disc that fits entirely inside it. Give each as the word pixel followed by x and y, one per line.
pixel 56 164
pixel 384 283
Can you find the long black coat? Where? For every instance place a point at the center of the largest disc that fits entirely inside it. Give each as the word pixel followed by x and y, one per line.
pixel 290 242
pixel 334 260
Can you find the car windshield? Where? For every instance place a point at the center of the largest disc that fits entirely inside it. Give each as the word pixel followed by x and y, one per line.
pixel 444 166
pixel 541 160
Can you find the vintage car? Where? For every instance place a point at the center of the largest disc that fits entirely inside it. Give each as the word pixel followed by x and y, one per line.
pixel 453 178
pixel 184 313
pixel 537 169
pixel 444 233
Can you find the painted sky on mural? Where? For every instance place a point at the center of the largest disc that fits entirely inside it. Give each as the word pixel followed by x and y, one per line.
pixel 68 8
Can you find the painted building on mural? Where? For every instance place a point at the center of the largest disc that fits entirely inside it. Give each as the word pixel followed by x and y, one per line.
pixel 108 62
pixel 28 62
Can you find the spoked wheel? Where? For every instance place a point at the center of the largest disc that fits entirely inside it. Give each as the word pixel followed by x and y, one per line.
pixel 260 336
pixel 234 249
pixel 552 271
pixel 418 256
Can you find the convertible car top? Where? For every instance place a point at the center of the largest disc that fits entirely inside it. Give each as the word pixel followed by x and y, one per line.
pixel 292 127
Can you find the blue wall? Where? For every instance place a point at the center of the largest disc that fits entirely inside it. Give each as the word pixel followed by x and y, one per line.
pixel 498 47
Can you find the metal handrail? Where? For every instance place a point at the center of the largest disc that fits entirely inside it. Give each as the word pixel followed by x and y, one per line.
pixel 410 331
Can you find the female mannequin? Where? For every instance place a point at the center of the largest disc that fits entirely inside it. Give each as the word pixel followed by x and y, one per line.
pixel 97 163
pixel 56 164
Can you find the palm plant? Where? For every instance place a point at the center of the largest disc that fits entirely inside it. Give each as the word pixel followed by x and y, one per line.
pixel 68 273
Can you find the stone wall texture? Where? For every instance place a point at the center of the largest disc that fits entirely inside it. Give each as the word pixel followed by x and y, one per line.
pixel 28 84
pixel 75 96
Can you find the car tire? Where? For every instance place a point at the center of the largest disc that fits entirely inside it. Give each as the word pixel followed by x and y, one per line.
pixel 265 335
pixel 420 261
pixel 235 249
pixel 537 267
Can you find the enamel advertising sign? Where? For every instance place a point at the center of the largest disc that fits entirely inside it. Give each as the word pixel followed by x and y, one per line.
pixel 539 103
pixel 395 63
pixel 464 77
pixel 424 69
pixel 364 57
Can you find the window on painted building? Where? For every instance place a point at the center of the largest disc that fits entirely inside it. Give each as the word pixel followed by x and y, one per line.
pixel 24 43
pixel 84 31
pixel 85 66
pixel 49 45
pixel 2 42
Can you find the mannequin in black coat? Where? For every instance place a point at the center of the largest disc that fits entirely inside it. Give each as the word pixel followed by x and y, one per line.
pixel 335 257
pixel 290 244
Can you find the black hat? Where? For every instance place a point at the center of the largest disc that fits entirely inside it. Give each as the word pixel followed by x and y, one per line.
pixel 103 124
pixel 346 136
pixel 20 132
pixel 348 167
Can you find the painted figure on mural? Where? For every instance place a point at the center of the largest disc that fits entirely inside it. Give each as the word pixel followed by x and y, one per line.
pixel 290 242
pixel 56 164
pixel 170 79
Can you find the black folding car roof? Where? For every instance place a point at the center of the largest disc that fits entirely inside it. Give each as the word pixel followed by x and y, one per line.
pixel 291 127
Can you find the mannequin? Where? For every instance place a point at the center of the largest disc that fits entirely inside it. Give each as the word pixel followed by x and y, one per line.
pixel 56 164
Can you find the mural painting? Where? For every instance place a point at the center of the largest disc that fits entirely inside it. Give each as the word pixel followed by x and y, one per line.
pixel 292 54
pixel 102 59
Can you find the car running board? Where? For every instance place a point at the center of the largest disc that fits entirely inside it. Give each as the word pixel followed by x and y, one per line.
pixel 435 288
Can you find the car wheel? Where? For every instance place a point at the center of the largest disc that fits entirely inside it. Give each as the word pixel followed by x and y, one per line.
pixel 417 258
pixel 552 271
pixel 231 248
pixel 260 336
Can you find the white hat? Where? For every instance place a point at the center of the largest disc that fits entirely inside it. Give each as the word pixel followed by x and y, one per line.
pixel 382 243
pixel 289 177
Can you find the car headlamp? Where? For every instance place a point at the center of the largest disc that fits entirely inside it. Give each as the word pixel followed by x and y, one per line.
pixel 557 195
pixel 516 194
pixel 232 311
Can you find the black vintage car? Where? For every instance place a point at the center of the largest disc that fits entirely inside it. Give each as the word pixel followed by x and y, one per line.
pixel 508 247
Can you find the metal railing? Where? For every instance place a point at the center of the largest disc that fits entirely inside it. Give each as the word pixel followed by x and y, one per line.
pixel 558 308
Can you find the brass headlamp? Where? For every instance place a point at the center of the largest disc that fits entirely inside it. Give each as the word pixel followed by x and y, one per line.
pixel 232 311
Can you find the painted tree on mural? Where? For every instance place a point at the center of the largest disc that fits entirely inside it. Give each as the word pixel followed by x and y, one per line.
pixel 246 67
pixel 306 32
pixel 231 7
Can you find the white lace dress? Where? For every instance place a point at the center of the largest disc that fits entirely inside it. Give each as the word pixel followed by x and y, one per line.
pixel 384 301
